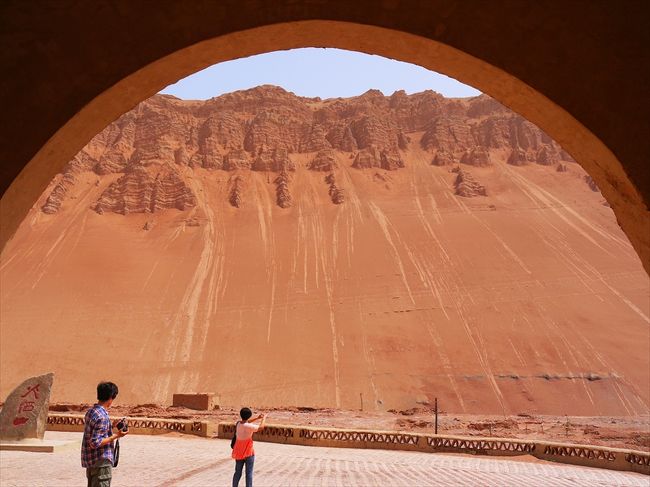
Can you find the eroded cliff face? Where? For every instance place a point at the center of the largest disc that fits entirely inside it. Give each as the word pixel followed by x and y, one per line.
pixel 281 250
pixel 257 130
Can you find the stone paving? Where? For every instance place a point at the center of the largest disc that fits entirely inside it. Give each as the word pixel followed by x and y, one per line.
pixel 176 460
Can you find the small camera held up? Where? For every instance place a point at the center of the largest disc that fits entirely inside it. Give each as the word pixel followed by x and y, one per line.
pixel 123 425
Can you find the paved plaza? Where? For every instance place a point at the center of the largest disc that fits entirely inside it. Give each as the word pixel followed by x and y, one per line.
pixel 175 460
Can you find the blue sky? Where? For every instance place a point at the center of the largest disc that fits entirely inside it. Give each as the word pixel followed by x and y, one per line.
pixel 312 72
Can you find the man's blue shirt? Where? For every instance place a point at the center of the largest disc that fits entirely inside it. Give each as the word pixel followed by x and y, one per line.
pixel 97 427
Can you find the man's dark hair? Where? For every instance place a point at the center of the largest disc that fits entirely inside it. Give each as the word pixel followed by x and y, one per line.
pixel 245 413
pixel 106 391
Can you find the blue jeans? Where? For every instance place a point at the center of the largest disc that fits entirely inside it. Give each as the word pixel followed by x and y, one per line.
pixel 239 466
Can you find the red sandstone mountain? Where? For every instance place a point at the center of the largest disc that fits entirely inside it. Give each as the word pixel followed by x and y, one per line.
pixel 281 250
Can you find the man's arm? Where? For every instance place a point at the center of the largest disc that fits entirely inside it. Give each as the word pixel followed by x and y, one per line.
pixel 99 439
pixel 112 438
pixel 262 423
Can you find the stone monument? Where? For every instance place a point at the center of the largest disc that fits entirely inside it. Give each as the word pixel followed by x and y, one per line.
pixel 24 414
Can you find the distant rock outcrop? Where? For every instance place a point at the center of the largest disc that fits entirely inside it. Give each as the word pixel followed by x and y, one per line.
pixel 478 156
pixel 237 159
pixel 144 190
pixel 260 129
pixel 235 196
pixel 283 196
pixel 324 160
pixel 336 194
pixel 547 156
pixel 591 183
pixel 403 140
pixel 81 163
pixel 340 136
pixel 467 186
pixel 519 157
pixel 55 199
pixel 448 134
pixel 372 156
pixel 443 158
pixel 275 160
pixel 367 158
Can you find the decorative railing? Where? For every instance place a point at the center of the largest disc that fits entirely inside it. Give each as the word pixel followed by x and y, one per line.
pixel 595 456
pixel 612 458
pixel 158 424
pixel 589 453
pixel 69 422
pixel 65 419
pixel 198 427
pixel 359 436
pixel 480 445
pixel 636 458
pixel 277 431
pixel 227 430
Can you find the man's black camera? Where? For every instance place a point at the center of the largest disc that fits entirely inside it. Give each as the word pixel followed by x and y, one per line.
pixel 123 425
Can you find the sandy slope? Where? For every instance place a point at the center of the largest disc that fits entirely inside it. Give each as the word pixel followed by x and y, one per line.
pixel 528 300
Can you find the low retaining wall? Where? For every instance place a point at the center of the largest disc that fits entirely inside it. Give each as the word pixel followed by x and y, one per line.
pixel 585 455
pixel 140 426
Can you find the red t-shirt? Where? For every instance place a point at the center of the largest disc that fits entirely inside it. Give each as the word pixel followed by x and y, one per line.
pixel 244 444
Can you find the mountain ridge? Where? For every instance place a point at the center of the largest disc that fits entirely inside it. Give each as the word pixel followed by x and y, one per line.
pixel 258 128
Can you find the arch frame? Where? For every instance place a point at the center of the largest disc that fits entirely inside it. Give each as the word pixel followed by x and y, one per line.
pixel 586 148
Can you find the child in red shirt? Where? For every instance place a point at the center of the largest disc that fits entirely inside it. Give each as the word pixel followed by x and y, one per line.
pixel 243 452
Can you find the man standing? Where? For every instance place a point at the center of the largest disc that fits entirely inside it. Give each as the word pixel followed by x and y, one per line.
pixel 97 451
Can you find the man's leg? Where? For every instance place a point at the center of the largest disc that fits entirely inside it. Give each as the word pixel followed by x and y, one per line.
pixel 100 476
pixel 250 461
pixel 239 466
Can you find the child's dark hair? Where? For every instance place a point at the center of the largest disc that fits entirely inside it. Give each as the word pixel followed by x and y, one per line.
pixel 106 391
pixel 245 413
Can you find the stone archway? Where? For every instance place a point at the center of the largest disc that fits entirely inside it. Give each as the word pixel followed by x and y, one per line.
pixel 470 44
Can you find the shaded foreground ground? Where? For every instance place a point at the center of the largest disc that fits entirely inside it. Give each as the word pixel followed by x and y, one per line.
pixel 174 460
pixel 618 432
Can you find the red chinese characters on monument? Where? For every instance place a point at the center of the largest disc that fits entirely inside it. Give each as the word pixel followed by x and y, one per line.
pixel 25 411
pixel 26 405
pixel 20 420
pixel 34 390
